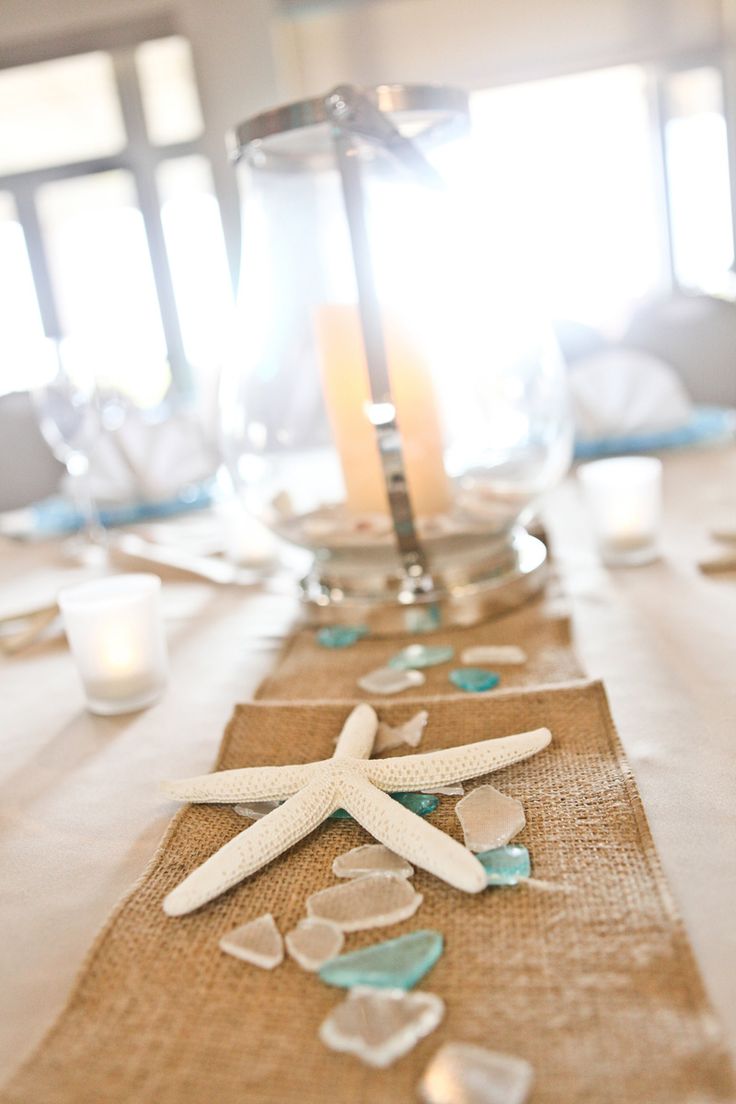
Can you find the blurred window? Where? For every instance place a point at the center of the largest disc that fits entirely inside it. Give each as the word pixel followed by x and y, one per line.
pixel 696 148
pixel 21 329
pixel 58 112
pixel 110 227
pixel 169 90
pixel 196 249
pixel 574 196
pixel 569 178
pixel 100 265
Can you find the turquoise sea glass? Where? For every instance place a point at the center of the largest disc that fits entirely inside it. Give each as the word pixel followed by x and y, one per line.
pixel 474 679
pixel 394 964
pixel 421 804
pixel 340 636
pixel 506 866
pixel 422 619
pixel 415 656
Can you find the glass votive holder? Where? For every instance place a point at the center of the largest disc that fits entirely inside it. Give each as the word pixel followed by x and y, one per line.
pixel 624 499
pixel 115 631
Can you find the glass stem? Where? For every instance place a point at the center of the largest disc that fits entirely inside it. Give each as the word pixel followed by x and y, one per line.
pixel 85 503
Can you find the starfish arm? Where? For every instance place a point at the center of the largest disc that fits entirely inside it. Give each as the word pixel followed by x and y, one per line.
pixel 255 847
pixel 410 836
pixel 358 733
pixel 246 783
pixel 440 768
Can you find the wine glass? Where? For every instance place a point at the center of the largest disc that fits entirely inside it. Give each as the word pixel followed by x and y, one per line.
pixel 68 413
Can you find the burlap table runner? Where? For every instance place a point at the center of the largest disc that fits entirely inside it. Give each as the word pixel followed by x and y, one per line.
pixel 307 670
pixel 593 981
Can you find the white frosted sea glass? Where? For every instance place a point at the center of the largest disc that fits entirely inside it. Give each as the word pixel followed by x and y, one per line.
pixel 371 858
pixel 258 942
pixel 372 901
pixel 381 1025
pixel 489 818
pixel 313 942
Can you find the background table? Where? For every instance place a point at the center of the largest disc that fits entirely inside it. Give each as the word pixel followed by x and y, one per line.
pixel 80 813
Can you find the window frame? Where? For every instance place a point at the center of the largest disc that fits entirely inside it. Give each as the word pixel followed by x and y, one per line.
pixel 659 72
pixel 140 158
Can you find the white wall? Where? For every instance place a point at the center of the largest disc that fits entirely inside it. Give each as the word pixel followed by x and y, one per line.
pixel 232 41
pixel 253 53
pixel 477 43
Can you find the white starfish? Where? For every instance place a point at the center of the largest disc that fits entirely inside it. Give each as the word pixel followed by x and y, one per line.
pixel 356 783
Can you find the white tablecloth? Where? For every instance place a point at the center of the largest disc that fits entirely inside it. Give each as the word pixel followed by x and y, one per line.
pixel 80 814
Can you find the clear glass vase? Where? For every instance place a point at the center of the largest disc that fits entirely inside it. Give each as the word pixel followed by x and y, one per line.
pixel 382 406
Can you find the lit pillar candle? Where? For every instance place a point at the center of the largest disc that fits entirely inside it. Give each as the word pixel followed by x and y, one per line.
pixel 347 393
pixel 624 497
pixel 115 633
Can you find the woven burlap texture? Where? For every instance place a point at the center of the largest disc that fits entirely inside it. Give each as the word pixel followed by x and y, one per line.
pixel 309 671
pixel 593 982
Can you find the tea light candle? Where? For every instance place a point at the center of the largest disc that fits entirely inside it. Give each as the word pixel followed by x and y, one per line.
pixel 624 498
pixel 115 632
pixel 347 395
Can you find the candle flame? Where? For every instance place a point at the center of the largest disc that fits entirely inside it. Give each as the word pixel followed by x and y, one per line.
pixel 118 653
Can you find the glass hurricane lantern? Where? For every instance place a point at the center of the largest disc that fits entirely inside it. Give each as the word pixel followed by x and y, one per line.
pixel 382 406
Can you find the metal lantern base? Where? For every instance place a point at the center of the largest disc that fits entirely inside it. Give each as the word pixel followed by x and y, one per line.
pixel 466 590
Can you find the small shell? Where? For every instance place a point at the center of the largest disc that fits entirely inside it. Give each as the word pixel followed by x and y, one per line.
pixel 317 527
pixel 258 942
pixel 282 504
pixel 493 654
pixel 387 680
pixel 725 533
pixel 313 942
pixel 489 818
pixel 410 732
pixel 371 858
pixel 380 1025
pixel 254 810
pixel 372 901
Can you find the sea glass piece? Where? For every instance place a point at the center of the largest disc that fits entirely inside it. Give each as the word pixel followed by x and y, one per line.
pixel 314 942
pixel 381 1025
pixel 455 790
pixel 254 810
pixel 506 866
pixel 421 804
pixel 340 636
pixel 474 679
pixel 421 655
pixel 258 942
pixel 371 858
pixel 493 653
pixel 462 1073
pixel 394 964
pixel 489 818
pixel 421 619
pixel 373 901
pixel 410 732
pixel 389 680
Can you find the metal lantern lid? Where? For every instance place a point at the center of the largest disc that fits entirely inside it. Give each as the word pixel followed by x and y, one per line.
pixel 439 112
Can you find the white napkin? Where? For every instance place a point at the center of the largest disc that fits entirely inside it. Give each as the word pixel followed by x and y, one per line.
pixel 149 460
pixel 623 392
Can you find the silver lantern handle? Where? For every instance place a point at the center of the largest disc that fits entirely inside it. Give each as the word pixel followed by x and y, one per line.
pixel 352 114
